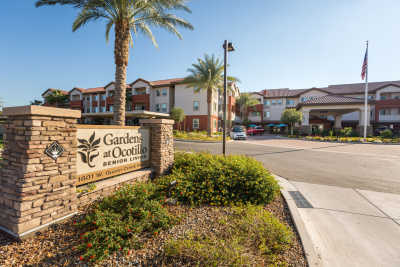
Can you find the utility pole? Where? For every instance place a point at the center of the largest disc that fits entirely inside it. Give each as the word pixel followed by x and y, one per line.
pixel 228 47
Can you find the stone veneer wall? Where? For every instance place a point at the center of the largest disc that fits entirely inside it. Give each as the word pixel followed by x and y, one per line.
pixel 107 187
pixel 162 144
pixel 34 188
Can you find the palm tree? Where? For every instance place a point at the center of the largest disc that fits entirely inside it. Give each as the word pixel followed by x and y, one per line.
pixel 245 101
pixel 128 17
pixel 207 74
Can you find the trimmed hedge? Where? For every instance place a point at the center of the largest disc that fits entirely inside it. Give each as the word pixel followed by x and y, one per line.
pixel 202 178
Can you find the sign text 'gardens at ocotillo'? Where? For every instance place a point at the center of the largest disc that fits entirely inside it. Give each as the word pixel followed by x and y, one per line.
pixel 108 151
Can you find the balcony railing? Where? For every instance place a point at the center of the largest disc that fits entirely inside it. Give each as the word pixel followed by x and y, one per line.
pixel 392 117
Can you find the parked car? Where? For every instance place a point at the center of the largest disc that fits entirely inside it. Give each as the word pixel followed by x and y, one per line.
pixel 259 130
pixel 255 130
pixel 251 131
pixel 238 133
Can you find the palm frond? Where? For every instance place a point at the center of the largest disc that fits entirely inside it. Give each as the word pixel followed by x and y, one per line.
pixel 75 3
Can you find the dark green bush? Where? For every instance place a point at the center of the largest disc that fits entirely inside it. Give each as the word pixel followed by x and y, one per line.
pixel 387 133
pixel 118 222
pixel 202 178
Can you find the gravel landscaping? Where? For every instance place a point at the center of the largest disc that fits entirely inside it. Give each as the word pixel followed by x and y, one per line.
pixel 55 246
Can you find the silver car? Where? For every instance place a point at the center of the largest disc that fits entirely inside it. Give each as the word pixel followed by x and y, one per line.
pixel 238 133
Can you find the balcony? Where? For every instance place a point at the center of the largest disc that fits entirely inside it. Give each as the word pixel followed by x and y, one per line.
pixel 75 104
pixel 389 118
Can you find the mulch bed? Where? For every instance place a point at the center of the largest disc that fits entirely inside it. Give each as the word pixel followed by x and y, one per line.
pixel 54 246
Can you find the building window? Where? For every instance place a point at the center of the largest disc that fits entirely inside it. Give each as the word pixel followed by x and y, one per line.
pixel 140 107
pixel 215 107
pixel 196 105
pixel 215 124
pixel 279 101
pixel 158 107
pixel 384 112
pixel 164 92
pixel 289 102
pixel 140 91
pixel 370 97
pixel 196 123
pixel 158 92
pixel 102 97
pixel 95 109
pixel 88 98
pixel 267 103
pixel 111 108
pixel 102 109
pixel 163 107
pixel 267 114
pixel 273 102
pixel 95 97
pixel 75 97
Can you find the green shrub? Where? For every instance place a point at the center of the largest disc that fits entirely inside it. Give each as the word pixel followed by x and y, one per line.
pixel 198 135
pixel 387 133
pixel 346 132
pixel 203 178
pixel 117 222
pixel 246 236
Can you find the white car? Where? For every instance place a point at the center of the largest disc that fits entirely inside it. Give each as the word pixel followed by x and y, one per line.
pixel 238 133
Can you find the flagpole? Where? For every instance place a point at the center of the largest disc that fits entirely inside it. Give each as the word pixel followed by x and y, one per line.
pixel 366 98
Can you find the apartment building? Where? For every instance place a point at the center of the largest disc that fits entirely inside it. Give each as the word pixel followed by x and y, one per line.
pixel 146 99
pixel 335 106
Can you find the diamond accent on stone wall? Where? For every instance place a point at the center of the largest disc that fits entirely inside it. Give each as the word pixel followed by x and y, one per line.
pixel 54 151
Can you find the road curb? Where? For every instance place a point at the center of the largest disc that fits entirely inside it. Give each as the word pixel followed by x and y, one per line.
pixel 200 141
pixel 313 259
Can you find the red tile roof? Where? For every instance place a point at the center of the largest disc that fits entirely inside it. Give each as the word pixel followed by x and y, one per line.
pixel 332 99
pixel 337 89
pixel 356 88
pixel 166 82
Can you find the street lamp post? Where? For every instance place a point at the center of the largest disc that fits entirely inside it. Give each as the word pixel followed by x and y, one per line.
pixel 228 47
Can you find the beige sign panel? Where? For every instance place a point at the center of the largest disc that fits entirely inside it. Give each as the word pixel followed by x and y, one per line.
pixel 106 151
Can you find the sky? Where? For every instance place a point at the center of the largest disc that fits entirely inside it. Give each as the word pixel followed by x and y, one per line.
pixel 279 44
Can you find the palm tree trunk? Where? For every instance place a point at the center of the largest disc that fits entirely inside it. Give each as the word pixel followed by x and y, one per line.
pixel 209 106
pixel 121 54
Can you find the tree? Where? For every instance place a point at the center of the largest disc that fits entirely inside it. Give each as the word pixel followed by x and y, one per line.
pixel 128 17
pixel 245 101
pixel 178 115
pixel 290 117
pixel 57 97
pixel 36 102
pixel 207 74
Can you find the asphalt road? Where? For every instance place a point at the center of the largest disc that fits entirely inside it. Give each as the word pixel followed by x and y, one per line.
pixel 361 166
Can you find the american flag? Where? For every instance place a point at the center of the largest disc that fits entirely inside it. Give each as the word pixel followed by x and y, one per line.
pixel 365 65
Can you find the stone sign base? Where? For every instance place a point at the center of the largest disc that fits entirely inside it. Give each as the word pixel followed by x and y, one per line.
pixel 107 187
pixel 38 176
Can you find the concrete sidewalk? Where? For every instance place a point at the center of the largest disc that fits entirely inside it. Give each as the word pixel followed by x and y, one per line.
pixel 349 227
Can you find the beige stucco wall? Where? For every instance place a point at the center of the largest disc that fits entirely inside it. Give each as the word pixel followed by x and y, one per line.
pixel 388 89
pixel 184 98
pixel 275 110
pixel 154 99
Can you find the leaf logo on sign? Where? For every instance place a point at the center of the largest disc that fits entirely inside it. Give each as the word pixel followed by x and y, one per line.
pixel 88 149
